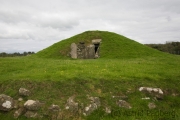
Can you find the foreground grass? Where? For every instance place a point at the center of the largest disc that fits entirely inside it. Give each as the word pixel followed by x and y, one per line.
pixel 55 80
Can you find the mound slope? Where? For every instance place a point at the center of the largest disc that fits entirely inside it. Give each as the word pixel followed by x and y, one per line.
pixel 113 46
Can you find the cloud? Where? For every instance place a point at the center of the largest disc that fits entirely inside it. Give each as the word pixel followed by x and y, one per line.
pixel 61 21
pixel 146 21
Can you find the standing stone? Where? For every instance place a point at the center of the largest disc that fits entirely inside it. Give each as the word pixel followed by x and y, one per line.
pixel 90 53
pixel 81 50
pixel 73 51
pixel 6 102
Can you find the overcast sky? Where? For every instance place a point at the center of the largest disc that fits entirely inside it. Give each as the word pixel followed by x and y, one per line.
pixel 32 25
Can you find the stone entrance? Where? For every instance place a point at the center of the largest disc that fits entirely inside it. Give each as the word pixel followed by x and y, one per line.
pixel 83 51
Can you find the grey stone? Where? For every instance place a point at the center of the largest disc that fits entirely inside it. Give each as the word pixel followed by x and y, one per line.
pixel 24 92
pixel 32 105
pixel 152 105
pixel 95 100
pixel 20 99
pixel 71 105
pixel 150 90
pixel 96 56
pixel 31 114
pixel 123 103
pixel 159 97
pixel 95 103
pixel 89 52
pixel 16 104
pixel 89 109
pixel 54 111
pixel 54 108
pixel 19 112
pixel 6 103
pixel 81 51
pixel 157 92
pixel 73 51
pixel 96 41
pixel 107 110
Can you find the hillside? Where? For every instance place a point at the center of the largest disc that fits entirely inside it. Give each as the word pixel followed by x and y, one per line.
pixel 113 46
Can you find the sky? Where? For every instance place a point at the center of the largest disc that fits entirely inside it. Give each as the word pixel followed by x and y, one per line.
pixel 32 25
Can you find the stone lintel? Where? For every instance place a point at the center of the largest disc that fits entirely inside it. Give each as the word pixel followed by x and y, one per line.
pixel 96 41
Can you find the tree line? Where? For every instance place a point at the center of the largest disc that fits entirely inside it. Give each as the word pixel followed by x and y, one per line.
pixel 15 54
pixel 170 47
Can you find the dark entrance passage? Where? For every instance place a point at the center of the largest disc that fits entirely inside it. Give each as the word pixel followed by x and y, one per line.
pixel 96 47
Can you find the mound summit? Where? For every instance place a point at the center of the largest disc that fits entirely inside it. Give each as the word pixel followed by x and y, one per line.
pixel 112 46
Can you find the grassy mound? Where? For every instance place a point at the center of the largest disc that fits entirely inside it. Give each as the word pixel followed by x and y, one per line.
pixel 113 46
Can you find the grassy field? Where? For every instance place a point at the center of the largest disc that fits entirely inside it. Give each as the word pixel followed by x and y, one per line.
pixel 53 78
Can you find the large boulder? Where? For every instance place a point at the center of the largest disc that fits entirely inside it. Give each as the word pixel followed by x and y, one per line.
pixel 156 92
pixel 89 52
pixel 151 90
pixel 32 105
pixel 6 103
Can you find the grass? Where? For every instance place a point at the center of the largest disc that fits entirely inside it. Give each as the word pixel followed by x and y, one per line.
pixel 49 69
pixel 32 68
pixel 52 78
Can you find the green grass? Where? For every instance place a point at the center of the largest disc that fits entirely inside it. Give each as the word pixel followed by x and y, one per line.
pixel 52 77
pixel 32 68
